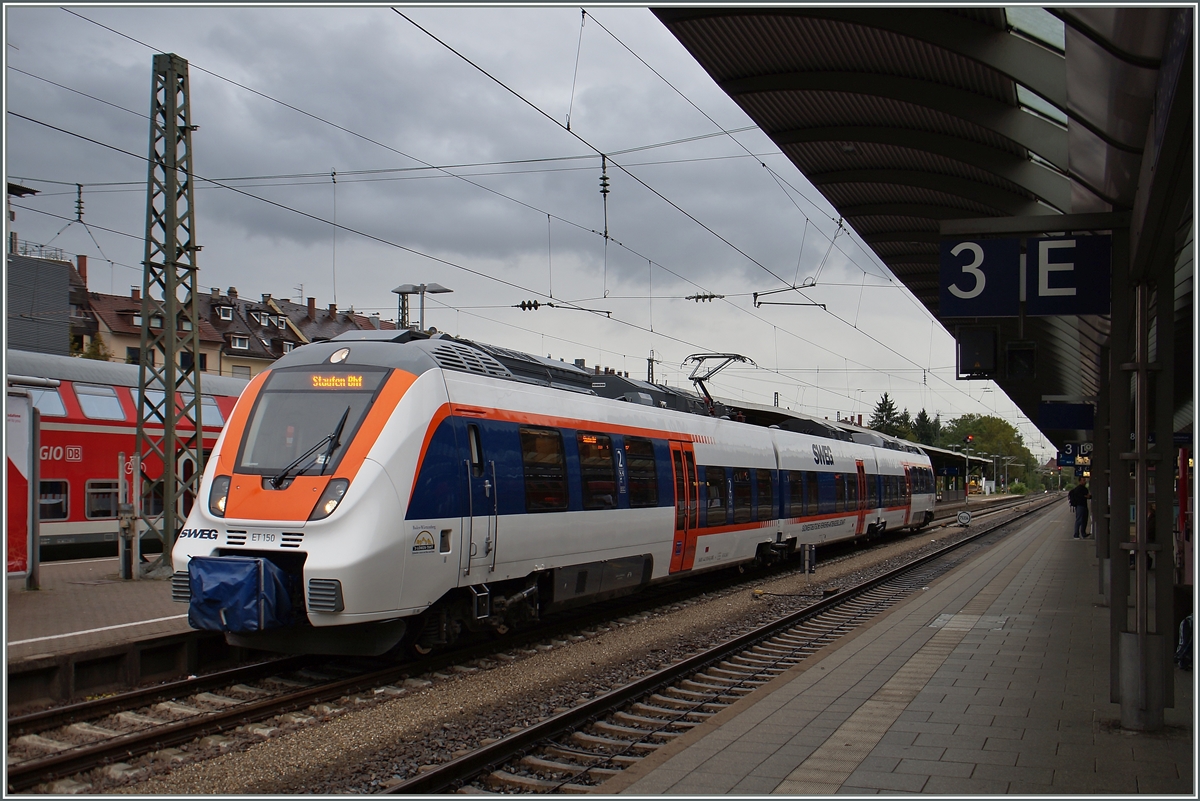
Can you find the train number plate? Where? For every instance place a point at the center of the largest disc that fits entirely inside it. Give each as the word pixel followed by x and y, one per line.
pixel 262 536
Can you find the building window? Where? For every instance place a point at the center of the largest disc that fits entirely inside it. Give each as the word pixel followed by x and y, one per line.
pixel 288 347
pixel 134 356
pixel 185 325
pixel 101 499
pixel 545 470
pixel 156 321
pixel 52 500
pixel 241 343
pixel 99 403
pixel 185 360
pixel 225 312
pixel 643 473
pixel 240 371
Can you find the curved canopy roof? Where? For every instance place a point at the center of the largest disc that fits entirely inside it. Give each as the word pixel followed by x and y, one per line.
pixel 912 121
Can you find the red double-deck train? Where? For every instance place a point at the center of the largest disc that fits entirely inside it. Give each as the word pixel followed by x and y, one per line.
pixel 87 421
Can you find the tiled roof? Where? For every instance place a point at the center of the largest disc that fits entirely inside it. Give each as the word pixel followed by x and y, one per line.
pixel 117 311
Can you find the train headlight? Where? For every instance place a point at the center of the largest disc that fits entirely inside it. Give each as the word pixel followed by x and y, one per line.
pixel 330 499
pixel 217 496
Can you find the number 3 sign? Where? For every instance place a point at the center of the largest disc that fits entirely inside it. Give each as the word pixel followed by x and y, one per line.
pixel 980 278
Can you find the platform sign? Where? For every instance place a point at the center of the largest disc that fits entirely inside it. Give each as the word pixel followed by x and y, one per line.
pixel 1069 275
pixel 18 447
pixel 980 278
pixel 1075 453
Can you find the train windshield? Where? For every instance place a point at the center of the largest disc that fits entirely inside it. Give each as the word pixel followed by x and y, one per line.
pixel 303 421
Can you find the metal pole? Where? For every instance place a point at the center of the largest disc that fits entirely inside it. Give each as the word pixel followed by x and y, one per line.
pixel 33 581
pixel 422 307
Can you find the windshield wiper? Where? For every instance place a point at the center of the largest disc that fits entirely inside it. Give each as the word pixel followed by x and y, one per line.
pixel 332 440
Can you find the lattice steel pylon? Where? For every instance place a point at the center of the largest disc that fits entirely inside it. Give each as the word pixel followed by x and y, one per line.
pixel 167 436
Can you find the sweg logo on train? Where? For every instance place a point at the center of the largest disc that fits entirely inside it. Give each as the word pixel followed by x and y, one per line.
pixel 823 454
pixel 423 542
pixel 198 534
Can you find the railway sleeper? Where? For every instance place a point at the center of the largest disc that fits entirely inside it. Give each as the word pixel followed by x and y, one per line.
pixel 590 757
pixel 566 768
pixel 772 649
pixel 596 741
pixel 695 696
pixel 605 727
pixel 642 720
pixel 700 703
pixel 758 662
pixel 749 672
pixel 658 711
pixel 714 686
pixel 502 779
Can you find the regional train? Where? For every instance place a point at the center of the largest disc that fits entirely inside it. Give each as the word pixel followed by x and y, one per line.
pixel 386 491
pixel 87 421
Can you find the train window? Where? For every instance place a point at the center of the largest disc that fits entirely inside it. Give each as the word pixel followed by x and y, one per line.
pixel 210 412
pixel 851 491
pixel 813 505
pixel 154 406
pixel 741 496
pixel 694 498
pixel 680 490
pixel 839 492
pixel 48 402
pixel 99 403
pixel 52 500
pixel 643 473
pixel 101 499
pixel 765 496
pixel 596 472
pixel 872 491
pixel 545 470
pixel 795 483
pixel 714 480
pixel 476 450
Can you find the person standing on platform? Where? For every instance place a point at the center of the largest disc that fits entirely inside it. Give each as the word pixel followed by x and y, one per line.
pixel 1078 498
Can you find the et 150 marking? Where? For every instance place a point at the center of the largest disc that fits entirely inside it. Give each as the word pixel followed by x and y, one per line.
pixel 199 534
pixel 823 454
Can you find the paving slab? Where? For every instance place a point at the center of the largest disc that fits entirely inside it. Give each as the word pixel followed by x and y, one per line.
pixel 992 680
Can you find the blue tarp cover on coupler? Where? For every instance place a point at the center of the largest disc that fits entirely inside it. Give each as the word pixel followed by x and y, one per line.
pixel 238 594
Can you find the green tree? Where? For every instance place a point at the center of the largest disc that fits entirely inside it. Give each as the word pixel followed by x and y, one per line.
pixel 993 435
pixel 887 420
pixel 927 431
pixel 96 350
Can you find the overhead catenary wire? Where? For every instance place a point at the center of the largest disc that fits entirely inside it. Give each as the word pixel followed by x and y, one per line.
pixel 480 186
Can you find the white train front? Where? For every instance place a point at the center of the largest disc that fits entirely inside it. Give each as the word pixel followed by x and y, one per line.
pixel 383 488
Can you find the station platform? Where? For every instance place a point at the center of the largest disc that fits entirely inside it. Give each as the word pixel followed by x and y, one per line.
pixel 993 680
pixel 85 604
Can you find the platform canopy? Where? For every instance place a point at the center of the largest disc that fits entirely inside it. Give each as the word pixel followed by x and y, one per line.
pixel 919 124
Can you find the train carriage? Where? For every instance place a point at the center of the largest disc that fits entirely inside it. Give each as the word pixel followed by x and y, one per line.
pixel 392 486
pixel 87 421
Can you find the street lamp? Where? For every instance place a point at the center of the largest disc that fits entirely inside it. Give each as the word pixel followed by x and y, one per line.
pixel 404 290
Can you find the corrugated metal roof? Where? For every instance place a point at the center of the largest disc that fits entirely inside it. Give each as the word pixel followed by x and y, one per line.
pixel 816 78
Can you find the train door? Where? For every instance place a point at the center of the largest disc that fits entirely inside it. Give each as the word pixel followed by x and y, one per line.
pixel 862 497
pixel 907 495
pixel 687 505
pixel 481 524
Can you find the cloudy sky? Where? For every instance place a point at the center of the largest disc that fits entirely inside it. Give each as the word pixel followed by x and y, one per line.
pixel 454 165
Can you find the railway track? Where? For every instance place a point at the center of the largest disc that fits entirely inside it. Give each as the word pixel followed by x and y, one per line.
pixel 578 749
pixel 256 700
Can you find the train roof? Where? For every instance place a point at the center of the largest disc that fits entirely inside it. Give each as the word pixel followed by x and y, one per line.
pixel 92 371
